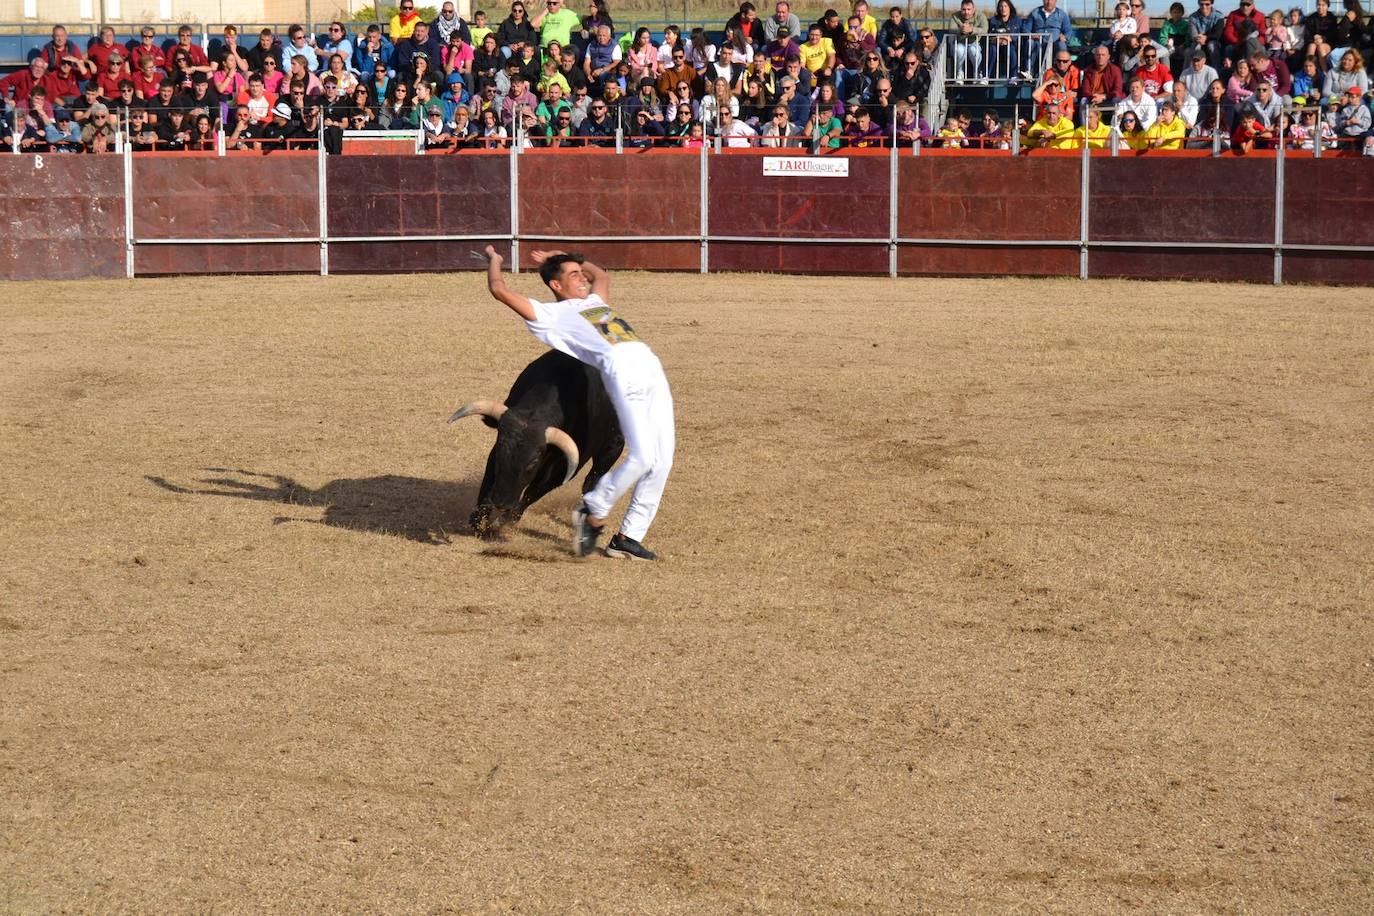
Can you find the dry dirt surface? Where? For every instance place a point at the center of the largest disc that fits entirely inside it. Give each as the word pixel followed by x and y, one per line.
pixel 978 596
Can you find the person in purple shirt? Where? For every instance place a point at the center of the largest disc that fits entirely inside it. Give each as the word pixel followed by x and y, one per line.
pixel 861 132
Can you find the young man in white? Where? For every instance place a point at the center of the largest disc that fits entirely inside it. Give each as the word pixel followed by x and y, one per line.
pixel 581 324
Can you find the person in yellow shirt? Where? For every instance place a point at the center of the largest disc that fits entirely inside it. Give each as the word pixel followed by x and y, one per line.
pixel 1094 132
pixel 1051 131
pixel 1168 130
pixel 866 20
pixel 403 23
pixel 1133 135
pixel 818 53
pixel 951 136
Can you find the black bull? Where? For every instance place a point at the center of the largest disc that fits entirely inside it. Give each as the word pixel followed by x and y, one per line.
pixel 556 418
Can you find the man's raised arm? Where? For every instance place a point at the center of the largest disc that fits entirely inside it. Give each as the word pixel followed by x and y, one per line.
pixel 496 285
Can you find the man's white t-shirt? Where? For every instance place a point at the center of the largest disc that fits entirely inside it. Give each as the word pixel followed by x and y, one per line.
pixel 586 329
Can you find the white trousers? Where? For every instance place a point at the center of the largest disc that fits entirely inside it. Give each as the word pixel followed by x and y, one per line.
pixel 644 405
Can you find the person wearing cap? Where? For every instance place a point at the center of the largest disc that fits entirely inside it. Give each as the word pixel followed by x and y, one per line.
pixel 1197 77
pixel 1352 120
pixel 62 132
pixel 782 48
pixel 1245 32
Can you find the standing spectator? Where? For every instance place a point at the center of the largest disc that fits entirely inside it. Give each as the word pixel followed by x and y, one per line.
pixel 556 23
pixel 338 43
pixel 1005 26
pixel 1244 32
pixel 266 49
pixel 373 48
pixel 1100 83
pixel 1048 17
pixel 782 17
pixel 403 24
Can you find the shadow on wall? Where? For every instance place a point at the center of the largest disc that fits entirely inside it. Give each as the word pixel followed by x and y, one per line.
pixel 426 511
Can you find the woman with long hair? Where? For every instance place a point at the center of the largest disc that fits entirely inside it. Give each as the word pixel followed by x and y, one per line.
pixel 516 27
pixel 486 60
pixel 1132 133
pixel 1004 28
pixel 1350 73
pixel 700 52
pixel 717 100
pixel 300 73
pixel 202 134
pixel 228 80
pixel 672 41
pixel 1351 31
pixel 681 95
pixel 744 49
pixel 345 78
pixel 398 109
pixel 492 133
pixel 422 71
pixel 680 124
pixel 597 16
pixel 828 102
pixel 378 84
pixel 754 108
pixel 1215 114
pixel 643 57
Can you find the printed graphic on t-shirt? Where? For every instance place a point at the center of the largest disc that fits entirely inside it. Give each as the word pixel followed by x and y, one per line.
pixel 615 329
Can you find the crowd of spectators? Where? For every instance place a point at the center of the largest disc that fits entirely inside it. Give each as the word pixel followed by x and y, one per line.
pixel 557 78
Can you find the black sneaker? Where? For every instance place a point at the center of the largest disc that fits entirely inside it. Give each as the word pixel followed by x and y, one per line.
pixel 585 534
pixel 623 548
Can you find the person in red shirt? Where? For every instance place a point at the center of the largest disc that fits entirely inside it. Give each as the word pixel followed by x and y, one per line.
pixel 1101 81
pixel 148 48
pixel 1244 32
pixel 1248 132
pixel 63 84
pixel 198 58
pixel 1159 82
pixel 99 53
pixel 61 47
pixel 1070 77
pixel 20 83
pixel 147 79
pixel 257 100
pixel 114 73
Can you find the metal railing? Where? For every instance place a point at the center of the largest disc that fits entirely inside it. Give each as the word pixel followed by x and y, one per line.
pixel 996 59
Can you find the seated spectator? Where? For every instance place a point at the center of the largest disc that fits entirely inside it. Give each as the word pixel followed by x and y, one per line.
pixel 1349 74
pixel 336 42
pixel 345 78
pixel 1169 130
pixel 273 79
pixel 227 80
pixel 491 133
pixel 1265 105
pixel 720 99
pixel 615 103
pixel 1238 89
pixel 231 56
pixel 199 62
pixel 681 96
pixel 1093 132
pixel 267 48
pixel 700 52
pixel 460 127
pixel 98 55
pixel 1176 37
pixel 397 112
pixel 645 131
pixel 142 134
pixel 553 104
pixel 1311 130
pixel 782 49
pixel 1158 81
pixel 422 70
pixel 1053 94
pixel 951 135
pixel 113 73
pixel 530 64
pixel 734 132
pixel 458 56
pixel 1185 106
pixel 259 103
pixel 1052 130
pixel 162 103
pixel 405 20
pixel 63 84
pixel 378 84
pixel 798 103
pixel 861 132
pixel 301 72
pixel 779 131
pixel 419 43
pixel 1244 32
pixel 754 108
pixel 516 31
pixel 1100 83
pixel 645 100
pixel 373 49
pixel 1142 19
pixel 202 99
pixel 1249 133
pixel 680 125
pixel 518 99
pixel 851 53
pixel 726 67
pixel 126 101
pixel 146 79
pixel 671 44
pixel 1351 122
pixel 678 71
pixel 438 136
pixel 597 126
pixel 912 129
pixel 1123 23
pixel 1198 77
pixel 173 132
pixel 61 132
pixel 1307 83
pixel 642 56
pixel 90 95
pixel 1140 104
pixel 1273 72
pixel 147 49
pixel 569 69
pixel 203 135
pixel 817 55
pixel 1132 132
pixel 99 129
pixel 1215 115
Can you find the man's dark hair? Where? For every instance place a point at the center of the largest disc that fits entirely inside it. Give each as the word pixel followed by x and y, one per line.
pixel 553 266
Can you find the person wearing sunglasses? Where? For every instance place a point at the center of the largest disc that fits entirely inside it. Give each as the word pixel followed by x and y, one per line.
pixel 337 42
pixel 1205 25
pixel 403 23
pixel 1159 82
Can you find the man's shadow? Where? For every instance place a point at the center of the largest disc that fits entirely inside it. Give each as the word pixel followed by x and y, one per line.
pixel 427 511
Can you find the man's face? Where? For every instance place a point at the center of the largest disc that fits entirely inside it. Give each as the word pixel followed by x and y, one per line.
pixel 165 92
pixel 1062 60
pixel 265 41
pixel 814 36
pixel 966 9
pixel 571 282
pixel 1198 63
pixel 598 112
pixel 107 36
pixel 38 66
pixel 59 35
pixel 184 38
pixel 447 9
pixel 1100 56
pixel 895 16
pixel 331 90
pixel 421 33
pixel 255 89
pixel 147 39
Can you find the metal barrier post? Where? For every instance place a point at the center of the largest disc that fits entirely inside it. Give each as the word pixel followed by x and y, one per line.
pixel 704 199
pixel 1216 133
pixel 892 204
pixel 514 212
pixel 128 209
pixel 1317 138
pixel 1278 208
pixel 1016 130
pixel 1083 186
pixel 619 142
pixel 323 191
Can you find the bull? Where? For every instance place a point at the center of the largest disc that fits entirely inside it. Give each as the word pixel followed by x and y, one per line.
pixel 556 418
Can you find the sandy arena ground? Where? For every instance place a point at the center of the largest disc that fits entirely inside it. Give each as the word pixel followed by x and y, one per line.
pixel 978 596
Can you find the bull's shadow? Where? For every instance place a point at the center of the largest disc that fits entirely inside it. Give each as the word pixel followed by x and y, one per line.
pixel 427 511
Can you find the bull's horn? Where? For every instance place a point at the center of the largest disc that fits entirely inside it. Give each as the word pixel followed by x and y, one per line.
pixel 492 409
pixel 564 443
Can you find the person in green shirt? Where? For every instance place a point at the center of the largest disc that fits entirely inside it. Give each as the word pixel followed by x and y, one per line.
pixel 556 23
pixel 1174 34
